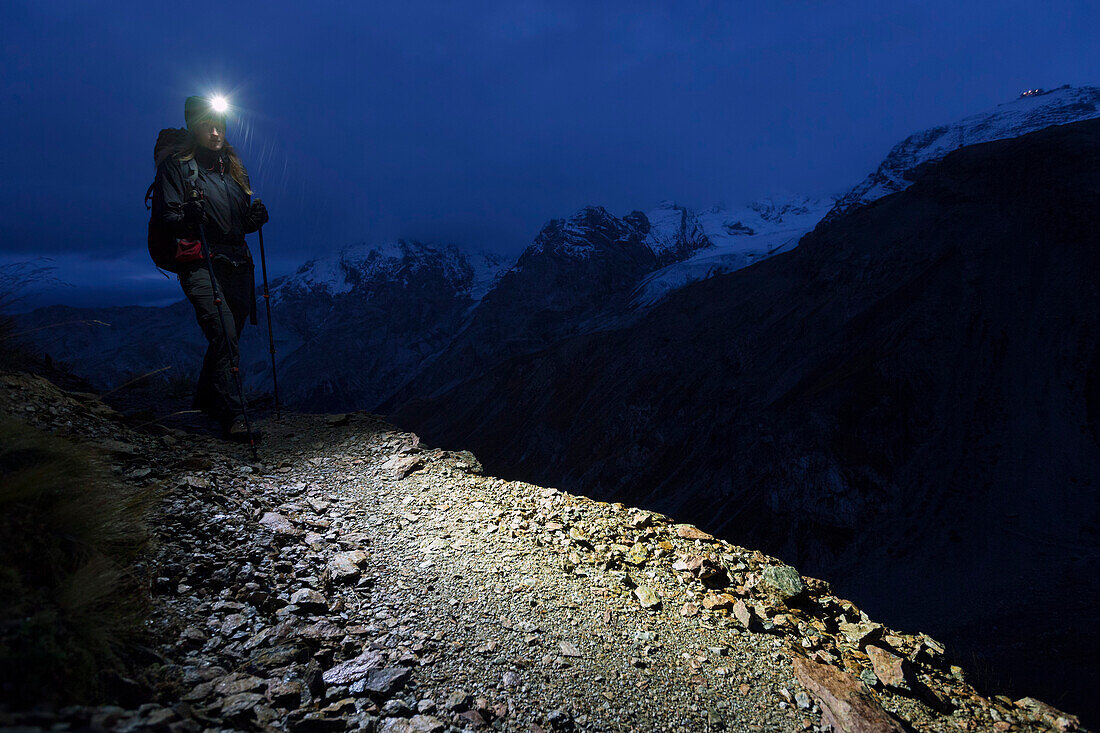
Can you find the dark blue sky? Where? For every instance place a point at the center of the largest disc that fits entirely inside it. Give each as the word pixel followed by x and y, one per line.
pixel 476 122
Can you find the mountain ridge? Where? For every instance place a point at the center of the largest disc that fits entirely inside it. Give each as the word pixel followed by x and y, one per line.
pixel 354 578
pixel 686 245
pixel 938 336
pixel 1027 113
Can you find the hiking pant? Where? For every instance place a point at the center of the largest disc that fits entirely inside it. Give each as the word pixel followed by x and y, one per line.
pixel 216 393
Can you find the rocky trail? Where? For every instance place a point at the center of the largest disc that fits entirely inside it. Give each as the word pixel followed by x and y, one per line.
pixel 355 579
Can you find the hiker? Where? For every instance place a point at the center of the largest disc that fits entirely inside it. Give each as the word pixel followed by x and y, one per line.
pixel 206 161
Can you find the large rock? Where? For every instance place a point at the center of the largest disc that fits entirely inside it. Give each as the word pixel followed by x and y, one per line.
pixel 241 704
pixel 236 683
pixel 647 597
pixel 344 567
pixel 706 569
pixel 309 601
pixel 891 669
pixel 861 634
pixel 784 582
pixel 743 614
pixel 356 669
pixel 381 682
pixel 844 703
pixel 415 724
pixel 281 655
pixel 279 525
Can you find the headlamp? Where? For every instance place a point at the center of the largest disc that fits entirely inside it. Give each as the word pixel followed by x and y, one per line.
pixel 219 104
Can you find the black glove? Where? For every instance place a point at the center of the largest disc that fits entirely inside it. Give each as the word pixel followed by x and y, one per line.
pixel 194 211
pixel 258 213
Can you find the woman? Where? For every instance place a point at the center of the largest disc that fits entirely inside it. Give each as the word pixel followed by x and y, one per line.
pixel 226 212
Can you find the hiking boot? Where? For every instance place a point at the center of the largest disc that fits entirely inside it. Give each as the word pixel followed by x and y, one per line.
pixel 236 429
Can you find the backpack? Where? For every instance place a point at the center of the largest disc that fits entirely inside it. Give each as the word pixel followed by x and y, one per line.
pixel 163 247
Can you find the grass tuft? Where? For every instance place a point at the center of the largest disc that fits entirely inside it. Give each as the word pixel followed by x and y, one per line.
pixel 70 604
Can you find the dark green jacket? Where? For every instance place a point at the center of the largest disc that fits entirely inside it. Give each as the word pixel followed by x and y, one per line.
pixel 227 217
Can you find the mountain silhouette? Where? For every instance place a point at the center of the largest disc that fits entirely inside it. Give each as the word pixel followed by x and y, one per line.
pixel 907 403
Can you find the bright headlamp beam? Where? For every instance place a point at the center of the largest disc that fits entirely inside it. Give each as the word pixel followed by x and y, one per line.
pixel 219 104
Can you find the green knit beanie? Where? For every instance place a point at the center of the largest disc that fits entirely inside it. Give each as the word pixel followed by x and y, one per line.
pixel 199 109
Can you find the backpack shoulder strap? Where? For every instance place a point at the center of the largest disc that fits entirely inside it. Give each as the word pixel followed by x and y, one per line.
pixel 191 172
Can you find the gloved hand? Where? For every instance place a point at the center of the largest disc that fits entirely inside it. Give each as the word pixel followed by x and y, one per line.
pixel 258 213
pixel 194 211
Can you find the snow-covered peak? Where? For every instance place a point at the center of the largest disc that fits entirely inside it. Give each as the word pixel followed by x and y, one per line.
pixel 736 238
pixel 487 268
pixel 771 219
pixel 362 264
pixel 580 235
pixel 744 235
pixel 674 232
pixel 1031 111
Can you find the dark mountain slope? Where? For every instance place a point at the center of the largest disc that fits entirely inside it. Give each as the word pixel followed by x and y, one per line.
pixel 392 310
pixel 906 403
pixel 576 277
pixel 349 328
pixel 109 346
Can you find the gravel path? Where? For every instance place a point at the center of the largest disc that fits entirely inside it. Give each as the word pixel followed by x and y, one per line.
pixel 355 580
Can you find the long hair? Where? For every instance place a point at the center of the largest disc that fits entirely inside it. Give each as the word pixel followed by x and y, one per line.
pixel 236 167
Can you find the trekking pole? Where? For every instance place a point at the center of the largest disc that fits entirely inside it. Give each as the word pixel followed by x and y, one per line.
pixel 225 330
pixel 270 326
